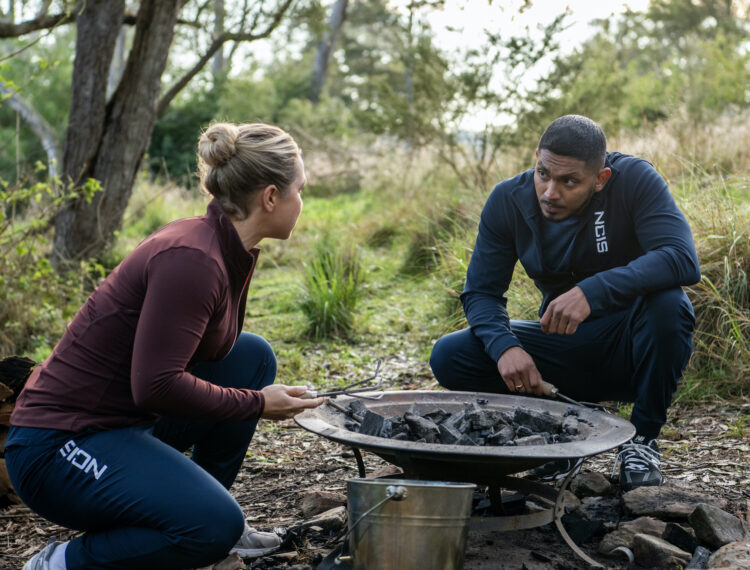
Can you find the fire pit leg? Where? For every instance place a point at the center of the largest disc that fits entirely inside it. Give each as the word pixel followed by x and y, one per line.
pixel 559 512
pixel 360 462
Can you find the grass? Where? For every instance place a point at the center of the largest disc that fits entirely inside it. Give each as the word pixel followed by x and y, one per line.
pixel 332 288
pixel 413 227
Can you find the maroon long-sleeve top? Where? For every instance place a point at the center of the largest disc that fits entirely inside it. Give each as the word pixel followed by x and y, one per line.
pixel 125 359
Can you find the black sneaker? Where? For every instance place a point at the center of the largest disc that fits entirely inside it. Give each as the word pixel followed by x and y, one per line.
pixel 556 470
pixel 639 464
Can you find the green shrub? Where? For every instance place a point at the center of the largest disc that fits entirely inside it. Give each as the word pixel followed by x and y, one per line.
pixel 332 286
pixel 36 302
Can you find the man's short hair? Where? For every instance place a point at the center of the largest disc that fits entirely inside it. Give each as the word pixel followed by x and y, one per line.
pixel 578 137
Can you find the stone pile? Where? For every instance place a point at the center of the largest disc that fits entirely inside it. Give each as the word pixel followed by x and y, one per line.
pixel 475 424
pixel 666 527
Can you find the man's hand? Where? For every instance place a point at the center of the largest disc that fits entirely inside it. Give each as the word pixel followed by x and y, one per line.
pixel 283 402
pixel 566 312
pixel 519 372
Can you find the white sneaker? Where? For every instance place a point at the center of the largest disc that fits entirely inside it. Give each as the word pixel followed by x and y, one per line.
pixel 40 561
pixel 254 543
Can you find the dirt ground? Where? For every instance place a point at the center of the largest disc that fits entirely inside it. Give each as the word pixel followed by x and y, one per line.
pixel 706 448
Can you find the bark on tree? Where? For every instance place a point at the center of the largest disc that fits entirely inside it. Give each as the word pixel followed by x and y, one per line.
pixel 325 47
pixel 217 66
pixel 107 141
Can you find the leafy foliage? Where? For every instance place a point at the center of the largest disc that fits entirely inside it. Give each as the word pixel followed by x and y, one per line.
pixel 36 302
pixel 172 149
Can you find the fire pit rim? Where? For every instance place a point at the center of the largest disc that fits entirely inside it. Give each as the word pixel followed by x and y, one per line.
pixel 312 421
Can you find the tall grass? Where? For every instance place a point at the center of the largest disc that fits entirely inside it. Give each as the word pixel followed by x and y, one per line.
pixel 721 227
pixel 332 287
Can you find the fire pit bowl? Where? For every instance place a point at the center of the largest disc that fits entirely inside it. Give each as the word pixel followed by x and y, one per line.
pixel 461 463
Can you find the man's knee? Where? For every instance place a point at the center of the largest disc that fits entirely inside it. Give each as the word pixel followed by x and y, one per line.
pixel 441 361
pixel 668 315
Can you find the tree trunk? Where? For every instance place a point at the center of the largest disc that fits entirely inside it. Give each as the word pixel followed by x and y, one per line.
pixel 217 66
pixel 325 47
pixel 106 141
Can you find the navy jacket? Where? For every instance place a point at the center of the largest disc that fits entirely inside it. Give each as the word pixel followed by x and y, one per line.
pixel 630 241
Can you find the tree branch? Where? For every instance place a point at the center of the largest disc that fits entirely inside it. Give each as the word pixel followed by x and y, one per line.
pixel 43 22
pixel 167 98
pixel 38 124
pixel 46 21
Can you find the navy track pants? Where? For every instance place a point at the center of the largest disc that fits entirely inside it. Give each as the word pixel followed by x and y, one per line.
pixel 637 355
pixel 140 500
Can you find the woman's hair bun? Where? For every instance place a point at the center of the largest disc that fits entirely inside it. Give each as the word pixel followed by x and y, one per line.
pixel 217 144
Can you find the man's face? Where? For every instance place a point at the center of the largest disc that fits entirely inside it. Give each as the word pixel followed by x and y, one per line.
pixel 564 185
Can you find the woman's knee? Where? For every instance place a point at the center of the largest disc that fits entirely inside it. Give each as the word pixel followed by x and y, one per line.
pixel 254 348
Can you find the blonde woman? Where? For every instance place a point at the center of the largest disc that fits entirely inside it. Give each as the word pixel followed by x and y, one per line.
pixel 154 364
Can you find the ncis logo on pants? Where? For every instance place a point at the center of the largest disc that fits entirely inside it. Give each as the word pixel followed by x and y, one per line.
pixel 82 460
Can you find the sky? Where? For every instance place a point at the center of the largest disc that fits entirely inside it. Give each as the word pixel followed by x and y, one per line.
pixel 461 24
pixel 473 16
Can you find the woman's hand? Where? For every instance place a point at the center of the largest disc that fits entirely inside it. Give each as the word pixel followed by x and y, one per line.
pixel 284 402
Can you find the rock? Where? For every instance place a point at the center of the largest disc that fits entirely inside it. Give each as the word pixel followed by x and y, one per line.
pixel 581 529
pixel 332 520
pixel 422 428
pixel 654 552
pixel 372 424
pixel 455 420
pixel 537 421
pixel 531 440
pixel 316 502
pixel 501 436
pixel 590 484
pixel 615 539
pixel 714 527
pixel 437 416
pixel 700 558
pixel 732 555
pixel 645 525
pixel 570 502
pixel 386 470
pixel 449 434
pixel 570 425
pixel 605 509
pixel 681 536
pixel 666 502
pixel 481 418
pixel 626 532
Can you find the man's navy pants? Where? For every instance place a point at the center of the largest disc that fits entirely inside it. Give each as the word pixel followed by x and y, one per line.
pixel 635 355
pixel 141 502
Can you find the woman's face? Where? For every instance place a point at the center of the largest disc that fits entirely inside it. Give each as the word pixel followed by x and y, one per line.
pixel 289 205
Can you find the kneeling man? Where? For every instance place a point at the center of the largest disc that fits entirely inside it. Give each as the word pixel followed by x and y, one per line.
pixel 602 238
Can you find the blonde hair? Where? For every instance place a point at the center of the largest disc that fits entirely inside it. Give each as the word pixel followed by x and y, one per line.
pixel 235 161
